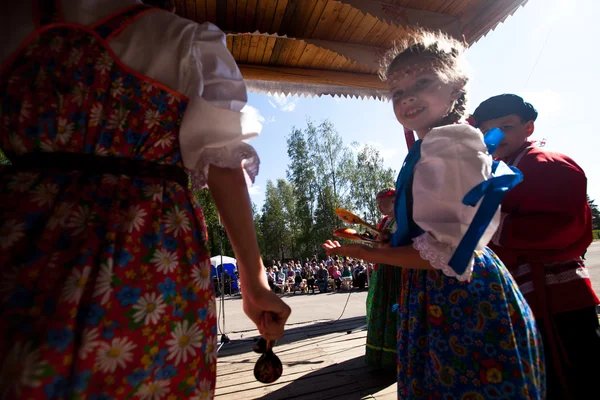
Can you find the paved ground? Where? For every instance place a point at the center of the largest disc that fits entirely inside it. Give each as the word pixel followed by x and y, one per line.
pixel 312 308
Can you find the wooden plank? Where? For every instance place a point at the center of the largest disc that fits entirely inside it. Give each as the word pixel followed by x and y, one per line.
pixel 328 18
pixel 260 49
pixel 314 19
pixel 266 59
pixel 261 8
pixel 299 75
pixel 288 48
pixel 309 53
pixel 229 41
pixel 279 42
pixel 356 23
pixel 237 47
pixel 245 48
pixel 295 57
pixel 190 9
pixel 363 29
pixel 230 15
pixel 180 7
pixel 240 15
pixel 346 24
pixel 302 17
pixel 278 16
pixel 317 386
pixel 211 11
pixel 244 380
pixel 339 21
pixel 254 40
pixel 250 22
pixel 338 62
pixel 347 65
pixel 376 33
pixel 444 6
pixel 287 23
pixel 392 34
pixel 317 60
pixel 268 20
pixel 459 7
pixel 328 59
pixel 200 11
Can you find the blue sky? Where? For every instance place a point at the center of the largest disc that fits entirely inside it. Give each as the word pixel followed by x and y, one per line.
pixel 561 82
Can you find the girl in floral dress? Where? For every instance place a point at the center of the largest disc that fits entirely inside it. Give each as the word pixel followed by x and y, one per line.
pixel 384 289
pixel 464 329
pixel 105 288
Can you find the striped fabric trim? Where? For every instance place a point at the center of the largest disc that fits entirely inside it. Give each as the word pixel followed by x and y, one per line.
pixel 381 348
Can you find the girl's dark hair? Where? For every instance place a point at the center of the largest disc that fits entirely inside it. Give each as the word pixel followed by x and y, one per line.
pixel 446 54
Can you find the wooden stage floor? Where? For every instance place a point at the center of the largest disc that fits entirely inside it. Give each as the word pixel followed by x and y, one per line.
pixel 320 361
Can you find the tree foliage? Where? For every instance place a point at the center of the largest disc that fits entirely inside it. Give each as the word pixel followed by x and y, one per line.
pixel 323 173
pixel 298 213
pixel 595 214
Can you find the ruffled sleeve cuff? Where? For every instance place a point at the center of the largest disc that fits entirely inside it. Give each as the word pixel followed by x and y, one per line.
pixel 231 156
pixel 439 254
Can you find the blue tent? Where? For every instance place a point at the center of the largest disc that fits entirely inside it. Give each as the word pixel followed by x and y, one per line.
pixel 218 263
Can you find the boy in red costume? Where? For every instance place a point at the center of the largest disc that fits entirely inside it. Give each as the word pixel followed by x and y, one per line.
pixel 546 226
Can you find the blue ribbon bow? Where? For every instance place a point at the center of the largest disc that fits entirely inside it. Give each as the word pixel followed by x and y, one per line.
pixel 492 191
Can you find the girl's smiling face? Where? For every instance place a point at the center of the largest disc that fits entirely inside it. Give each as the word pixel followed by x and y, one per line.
pixel 421 98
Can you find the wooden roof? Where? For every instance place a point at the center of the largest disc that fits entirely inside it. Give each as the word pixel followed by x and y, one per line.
pixel 315 47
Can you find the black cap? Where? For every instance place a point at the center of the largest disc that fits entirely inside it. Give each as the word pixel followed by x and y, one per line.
pixel 503 105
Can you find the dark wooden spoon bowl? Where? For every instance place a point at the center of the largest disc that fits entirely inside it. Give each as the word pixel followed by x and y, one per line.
pixel 268 368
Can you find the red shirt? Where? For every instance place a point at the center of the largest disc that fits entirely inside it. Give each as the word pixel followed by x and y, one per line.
pixel 547 223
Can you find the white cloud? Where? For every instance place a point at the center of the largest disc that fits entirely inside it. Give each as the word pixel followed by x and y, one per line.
pixel 283 103
pixel 270 120
pixel 254 190
pixel 547 102
pixel 254 113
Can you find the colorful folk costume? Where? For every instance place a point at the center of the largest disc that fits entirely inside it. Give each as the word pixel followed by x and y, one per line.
pixel 384 286
pixel 546 227
pixel 105 287
pixel 465 331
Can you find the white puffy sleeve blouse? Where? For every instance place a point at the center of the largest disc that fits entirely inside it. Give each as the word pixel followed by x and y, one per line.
pixel 189 58
pixel 454 159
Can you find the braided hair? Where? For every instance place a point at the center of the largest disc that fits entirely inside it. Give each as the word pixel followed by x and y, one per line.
pixel 445 53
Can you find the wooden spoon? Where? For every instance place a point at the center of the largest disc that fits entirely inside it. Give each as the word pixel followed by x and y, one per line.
pixel 351 234
pixel 268 368
pixel 354 219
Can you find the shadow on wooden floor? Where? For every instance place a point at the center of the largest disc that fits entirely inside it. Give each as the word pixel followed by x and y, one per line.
pixel 320 361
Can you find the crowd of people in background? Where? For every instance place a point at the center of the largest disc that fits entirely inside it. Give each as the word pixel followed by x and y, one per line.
pixel 331 274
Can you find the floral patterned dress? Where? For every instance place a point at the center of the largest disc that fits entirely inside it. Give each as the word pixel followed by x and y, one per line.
pixel 384 289
pixel 105 287
pixel 465 340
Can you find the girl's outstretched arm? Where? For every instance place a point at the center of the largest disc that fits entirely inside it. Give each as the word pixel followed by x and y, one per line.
pixel 405 256
pixel 261 305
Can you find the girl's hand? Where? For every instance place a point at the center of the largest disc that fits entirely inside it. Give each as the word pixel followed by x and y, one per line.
pixel 351 250
pixel 265 309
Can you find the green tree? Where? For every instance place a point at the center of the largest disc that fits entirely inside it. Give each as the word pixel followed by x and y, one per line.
pixel 257 227
pixel 288 200
pixel 301 176
pixel 326 220
pixel 333 161
pixel 595 214
pixel 215 230
pixel 273 224
pixel 369 177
